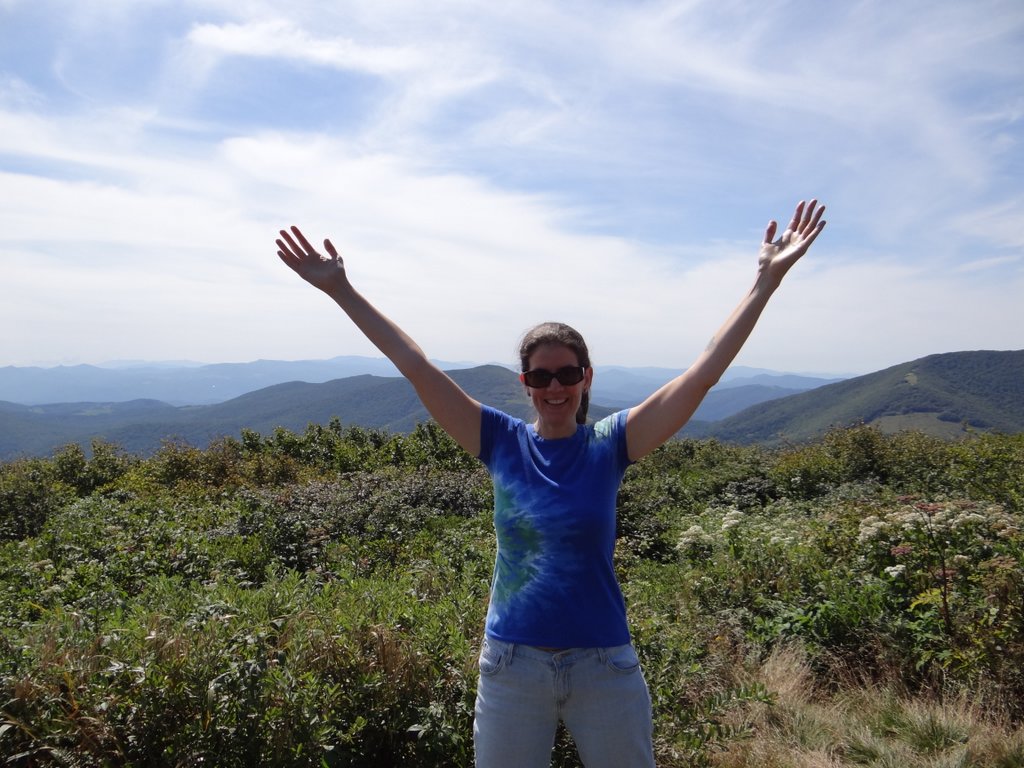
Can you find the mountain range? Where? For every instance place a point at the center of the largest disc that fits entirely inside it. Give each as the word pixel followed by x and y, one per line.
pixel 947 394
pixel 197 384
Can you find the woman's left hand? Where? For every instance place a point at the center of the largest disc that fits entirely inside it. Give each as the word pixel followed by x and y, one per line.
pixel 778 255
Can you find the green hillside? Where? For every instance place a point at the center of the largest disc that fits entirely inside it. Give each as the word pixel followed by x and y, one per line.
pixel 141 426
pixel 943 395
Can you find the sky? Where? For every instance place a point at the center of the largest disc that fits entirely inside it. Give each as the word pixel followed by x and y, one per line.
pixel 484 166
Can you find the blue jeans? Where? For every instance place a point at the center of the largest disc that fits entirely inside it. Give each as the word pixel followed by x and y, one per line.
pixel 599 693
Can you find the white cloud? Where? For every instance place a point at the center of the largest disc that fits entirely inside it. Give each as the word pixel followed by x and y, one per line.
pixel 986 264
pixel 491 173
pixel 872 311
pixel 1002 224
pixel 282 39
pixel 16 93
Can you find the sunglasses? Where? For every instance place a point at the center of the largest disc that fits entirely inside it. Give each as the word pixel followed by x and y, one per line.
pixel 539 378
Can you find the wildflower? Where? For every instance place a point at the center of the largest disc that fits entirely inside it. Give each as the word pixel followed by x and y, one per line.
pixel 732 518
pixel 870 528
pixel 894 571
pixel 691 536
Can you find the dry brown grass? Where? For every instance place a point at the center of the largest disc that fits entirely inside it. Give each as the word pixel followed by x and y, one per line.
pixel 865 726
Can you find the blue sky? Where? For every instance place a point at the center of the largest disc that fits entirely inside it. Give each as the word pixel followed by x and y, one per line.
pixel 486 166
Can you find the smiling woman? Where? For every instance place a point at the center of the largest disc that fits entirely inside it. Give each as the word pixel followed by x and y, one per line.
pixel 557 375
pixel 556 642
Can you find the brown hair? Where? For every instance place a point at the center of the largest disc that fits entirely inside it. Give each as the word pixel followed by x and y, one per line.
pixel 562 335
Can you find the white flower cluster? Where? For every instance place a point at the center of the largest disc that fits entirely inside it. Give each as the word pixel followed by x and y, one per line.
pixel 871 528
pixel 939 518
pixel 894 571
pixel 732 518
pixel 693 536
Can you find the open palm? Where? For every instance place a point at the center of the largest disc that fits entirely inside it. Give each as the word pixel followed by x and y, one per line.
pixel 778 255
pixel 297 253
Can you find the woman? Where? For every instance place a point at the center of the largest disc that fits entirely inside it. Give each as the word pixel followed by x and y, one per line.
pixel 556 644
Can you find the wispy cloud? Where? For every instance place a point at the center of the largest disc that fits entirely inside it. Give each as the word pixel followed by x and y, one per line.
pixel 1001 224
pixel 487 166
pixel 280 38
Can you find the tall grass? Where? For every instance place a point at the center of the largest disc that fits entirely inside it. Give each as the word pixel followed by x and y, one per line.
pixel 880 725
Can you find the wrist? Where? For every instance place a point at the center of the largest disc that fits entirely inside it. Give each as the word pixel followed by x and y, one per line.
pixel 339 288
pixel 766 282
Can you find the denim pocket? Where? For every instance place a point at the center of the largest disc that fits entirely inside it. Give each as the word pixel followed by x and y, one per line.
pixel 493 656
pixel 621 659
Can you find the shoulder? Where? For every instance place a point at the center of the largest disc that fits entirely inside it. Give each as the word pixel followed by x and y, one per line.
pixel 495 418
pixel 497 427
pixel 610 427
pixel 611 431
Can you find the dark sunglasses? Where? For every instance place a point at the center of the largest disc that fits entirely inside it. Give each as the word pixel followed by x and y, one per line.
pixel 539 378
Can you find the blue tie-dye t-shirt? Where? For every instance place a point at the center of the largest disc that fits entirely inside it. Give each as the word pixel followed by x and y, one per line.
pixel 554 514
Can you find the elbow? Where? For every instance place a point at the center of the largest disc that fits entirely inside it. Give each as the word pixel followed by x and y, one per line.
pixel 413 365
pixel 703 382
pixel 708 383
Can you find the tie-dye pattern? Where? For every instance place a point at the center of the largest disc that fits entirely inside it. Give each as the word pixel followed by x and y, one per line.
pixel 554 581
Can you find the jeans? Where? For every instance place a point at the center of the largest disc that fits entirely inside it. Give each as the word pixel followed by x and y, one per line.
pixel 599 693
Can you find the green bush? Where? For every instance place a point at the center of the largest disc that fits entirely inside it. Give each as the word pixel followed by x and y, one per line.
pixel 318 598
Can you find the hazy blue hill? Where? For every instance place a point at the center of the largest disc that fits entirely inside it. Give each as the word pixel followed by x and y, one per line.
pixel 140 426
pixel 723 403
pixel 33 430
pixel 790 381
pixel 941 394
pixel 624 387
pixel 174 384
pixel 944 394
pixel 739 388
pixel 198 384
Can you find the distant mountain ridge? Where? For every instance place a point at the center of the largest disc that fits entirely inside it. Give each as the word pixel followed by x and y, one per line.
pixel 946 394
pixel 140 426
pixel 175 384
pixel 198 384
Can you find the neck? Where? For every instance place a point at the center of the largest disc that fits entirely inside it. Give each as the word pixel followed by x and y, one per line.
pixel 554 432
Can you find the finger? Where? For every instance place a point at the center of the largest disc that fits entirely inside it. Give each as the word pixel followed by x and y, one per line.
pixel 813 221
pixel 288 259
pixel 809 238
pixel 290 251
pixel 815 232
pixel 769 233
pixel 292 246
pixel 797 215
pixel 331 250
pixel 808 213
pixel 303 241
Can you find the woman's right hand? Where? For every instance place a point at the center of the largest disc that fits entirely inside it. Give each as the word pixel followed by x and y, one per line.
pixel 327 274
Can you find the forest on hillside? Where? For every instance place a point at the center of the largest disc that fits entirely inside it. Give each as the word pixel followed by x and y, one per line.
pixel 317 599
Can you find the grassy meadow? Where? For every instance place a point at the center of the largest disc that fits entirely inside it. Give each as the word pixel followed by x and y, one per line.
pixel 317 599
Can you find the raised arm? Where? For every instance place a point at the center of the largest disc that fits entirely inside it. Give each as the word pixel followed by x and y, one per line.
pixel 456 412
pixel 665 412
